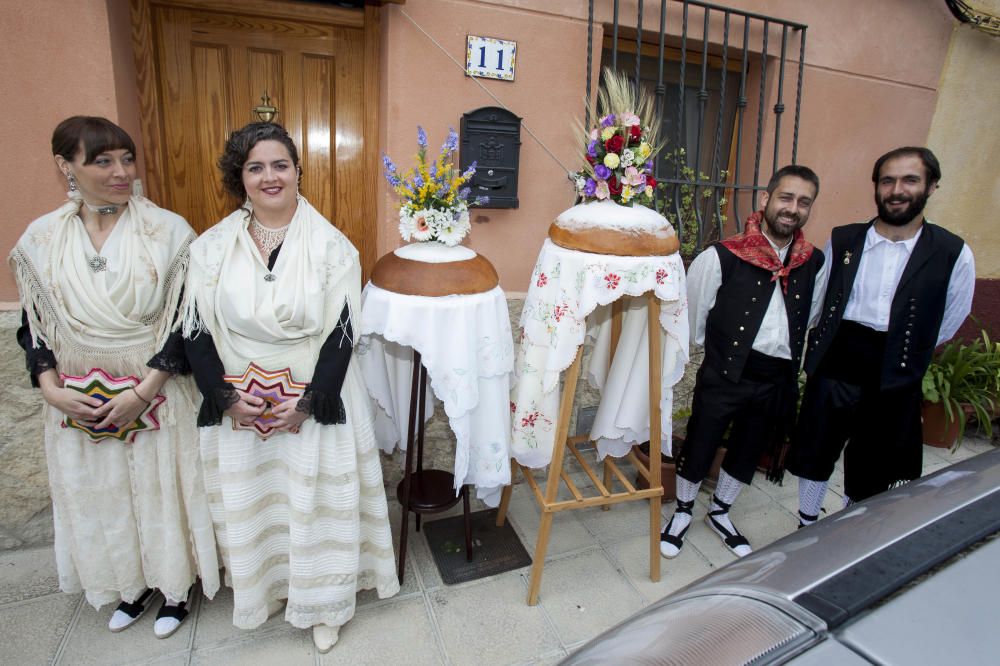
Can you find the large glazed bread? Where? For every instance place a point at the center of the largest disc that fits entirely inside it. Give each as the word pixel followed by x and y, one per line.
pixel 606 227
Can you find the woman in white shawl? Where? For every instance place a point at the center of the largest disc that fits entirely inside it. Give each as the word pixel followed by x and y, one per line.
pixel 100 280
pixel 301 515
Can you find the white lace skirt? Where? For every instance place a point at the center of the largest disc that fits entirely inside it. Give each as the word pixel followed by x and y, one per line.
pixel 301 517
pixel 132 516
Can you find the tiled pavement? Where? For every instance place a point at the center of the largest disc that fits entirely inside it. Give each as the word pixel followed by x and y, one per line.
pixel 596 574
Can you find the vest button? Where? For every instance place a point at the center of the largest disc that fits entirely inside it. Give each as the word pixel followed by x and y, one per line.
pixel 741 328
pixel 902 365
pixel 754 299
pixel 796 297
pixel 758 283
pixel 736 343
pixel 725 372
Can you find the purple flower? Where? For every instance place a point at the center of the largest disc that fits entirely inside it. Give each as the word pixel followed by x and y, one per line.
pixel 451 143
pixel 649 165
pixel 471 170
pixel 602 172
pixel 390 171
pixel 592 148
pixel 481 200
pixel 418 181
pixel 608 120
pixel 590 187
pixel 421 137
pixel 464 192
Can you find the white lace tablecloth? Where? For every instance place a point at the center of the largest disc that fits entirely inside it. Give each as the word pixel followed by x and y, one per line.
pixel 466 345
pixel 566 287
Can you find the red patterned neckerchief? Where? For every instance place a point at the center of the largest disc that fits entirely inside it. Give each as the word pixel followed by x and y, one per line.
pixel 754 248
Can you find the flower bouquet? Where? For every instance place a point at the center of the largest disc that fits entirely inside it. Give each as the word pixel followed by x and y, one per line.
pixel 615 188
pixel 619 151
pixel 435 200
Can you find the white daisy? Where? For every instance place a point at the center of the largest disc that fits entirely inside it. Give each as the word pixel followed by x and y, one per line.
pixel 406 226
pixel 422 225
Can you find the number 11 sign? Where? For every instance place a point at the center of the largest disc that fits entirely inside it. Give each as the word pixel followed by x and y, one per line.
pixel 490 58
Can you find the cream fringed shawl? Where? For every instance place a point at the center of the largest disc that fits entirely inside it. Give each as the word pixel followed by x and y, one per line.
pixel 83 316
pixel 278 318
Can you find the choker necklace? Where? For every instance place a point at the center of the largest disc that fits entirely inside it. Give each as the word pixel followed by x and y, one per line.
pixel 108 209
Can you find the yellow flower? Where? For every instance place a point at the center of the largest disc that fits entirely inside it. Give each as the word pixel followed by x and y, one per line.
pixel 607 133
pixel 644 150
pixel 611 161
pixel 627 193
pixel 649 191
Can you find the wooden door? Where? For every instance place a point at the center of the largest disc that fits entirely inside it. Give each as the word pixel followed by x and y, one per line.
pixel 211 62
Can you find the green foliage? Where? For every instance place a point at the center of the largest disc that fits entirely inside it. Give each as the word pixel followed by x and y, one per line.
pixel 965 374
pixel 692 202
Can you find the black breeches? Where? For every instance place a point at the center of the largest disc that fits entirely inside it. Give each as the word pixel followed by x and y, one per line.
pixel 756 410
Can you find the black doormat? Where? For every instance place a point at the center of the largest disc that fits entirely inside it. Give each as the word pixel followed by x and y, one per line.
pixel 494 549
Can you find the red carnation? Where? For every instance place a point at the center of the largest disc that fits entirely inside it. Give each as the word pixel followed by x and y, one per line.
pixel 634 134
pixel 590 159
pixel 614 186
pixel 615 144
pixel 650 181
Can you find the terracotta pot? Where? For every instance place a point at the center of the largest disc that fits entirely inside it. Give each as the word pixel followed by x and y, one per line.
pixel 668 473
pixel 937 430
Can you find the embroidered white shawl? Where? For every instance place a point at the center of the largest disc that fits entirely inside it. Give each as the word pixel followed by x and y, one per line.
pixel 115 319
pixel 275 322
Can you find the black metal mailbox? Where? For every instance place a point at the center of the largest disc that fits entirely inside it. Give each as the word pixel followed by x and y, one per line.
pixel 491 137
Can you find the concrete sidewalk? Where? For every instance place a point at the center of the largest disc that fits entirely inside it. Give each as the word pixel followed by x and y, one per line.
pixel 596 574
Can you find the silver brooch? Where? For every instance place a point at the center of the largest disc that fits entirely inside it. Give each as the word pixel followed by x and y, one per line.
pixel 97 263
pixel 270 277
pixel 847 258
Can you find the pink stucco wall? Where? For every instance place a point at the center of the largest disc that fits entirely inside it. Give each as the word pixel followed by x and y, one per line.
pixel 871 83
pixel 59 59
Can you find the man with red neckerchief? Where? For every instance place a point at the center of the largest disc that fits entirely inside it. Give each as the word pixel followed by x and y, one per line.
pixel 751 299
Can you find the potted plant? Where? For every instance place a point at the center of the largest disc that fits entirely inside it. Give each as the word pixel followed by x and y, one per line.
pixel 962 380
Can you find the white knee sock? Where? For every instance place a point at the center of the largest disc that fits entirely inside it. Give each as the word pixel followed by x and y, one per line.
pixel 727 489
pixel 811 494
pixel 687 491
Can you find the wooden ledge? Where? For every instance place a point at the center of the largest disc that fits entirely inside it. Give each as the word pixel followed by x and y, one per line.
pixel 420 278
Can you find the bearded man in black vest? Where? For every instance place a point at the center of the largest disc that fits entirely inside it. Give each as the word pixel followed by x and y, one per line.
pixel 898 287
pixel 751 298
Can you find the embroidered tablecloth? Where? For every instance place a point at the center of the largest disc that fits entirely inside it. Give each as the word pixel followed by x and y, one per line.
pixel 566 287
pixel 465 343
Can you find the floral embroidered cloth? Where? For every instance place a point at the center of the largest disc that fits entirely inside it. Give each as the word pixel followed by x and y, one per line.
pixel 466 345
pixel 566 287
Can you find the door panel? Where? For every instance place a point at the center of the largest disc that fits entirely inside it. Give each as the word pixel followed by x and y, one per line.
pixel 213 69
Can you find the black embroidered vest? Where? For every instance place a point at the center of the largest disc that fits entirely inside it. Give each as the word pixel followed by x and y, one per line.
pixel 741 303
pixel 917 306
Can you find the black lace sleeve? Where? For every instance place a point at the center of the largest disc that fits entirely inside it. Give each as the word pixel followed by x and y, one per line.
pixel 217 395
pixel 322 397
pixel 36 359
pixel 172 358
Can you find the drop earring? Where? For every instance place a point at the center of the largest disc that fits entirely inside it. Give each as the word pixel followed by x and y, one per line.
pixel 74 191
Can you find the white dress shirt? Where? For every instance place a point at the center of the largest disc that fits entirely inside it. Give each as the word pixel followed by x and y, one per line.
pixel 704 278
pixel 881 267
